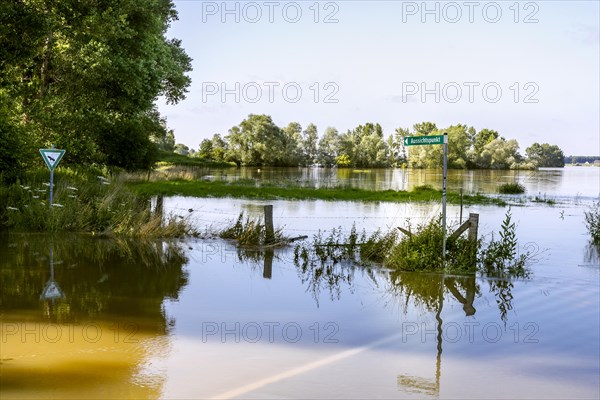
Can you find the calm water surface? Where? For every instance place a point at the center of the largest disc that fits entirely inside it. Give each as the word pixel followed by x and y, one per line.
pixel 97 318
pixel 581 182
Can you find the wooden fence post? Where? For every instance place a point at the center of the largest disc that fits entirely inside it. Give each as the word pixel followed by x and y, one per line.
pixel 270 233
pixel 268 264
pixel 473 226
pixel 158 210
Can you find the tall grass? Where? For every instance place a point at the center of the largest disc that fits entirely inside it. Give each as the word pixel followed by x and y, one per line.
pixel 85 200
pixel 249 232
pixel 420 251
pixel 592 222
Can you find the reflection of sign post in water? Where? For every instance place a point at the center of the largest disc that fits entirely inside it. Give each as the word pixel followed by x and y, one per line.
pixel 429 140
pixel 52 157
pixel 51 290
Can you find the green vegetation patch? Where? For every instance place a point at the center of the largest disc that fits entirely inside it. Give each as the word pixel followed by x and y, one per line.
pixel 420 251
pixel 84 201
pixel 170 158
pixel 248 232
pixel 511 188
pixel 592 222
pixel 270 192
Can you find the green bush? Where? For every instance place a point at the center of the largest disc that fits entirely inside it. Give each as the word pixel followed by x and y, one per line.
pixel 422 251
pixel 500 257
pixel 511 188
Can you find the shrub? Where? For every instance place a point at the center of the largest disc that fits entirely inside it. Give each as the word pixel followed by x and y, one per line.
pixel 511 188
pixel 422 251
pixel 500 257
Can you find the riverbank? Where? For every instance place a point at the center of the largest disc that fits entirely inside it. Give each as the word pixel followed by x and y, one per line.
pixel 254 190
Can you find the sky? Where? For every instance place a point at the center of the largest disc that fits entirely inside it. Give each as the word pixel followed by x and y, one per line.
pixel 528 69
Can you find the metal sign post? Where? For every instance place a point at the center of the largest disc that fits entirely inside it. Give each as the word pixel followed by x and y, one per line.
pixel 429 140
pixel 51 158
pixel 444 176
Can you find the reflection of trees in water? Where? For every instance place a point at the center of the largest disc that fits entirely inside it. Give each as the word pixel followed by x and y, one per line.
pixel 118 277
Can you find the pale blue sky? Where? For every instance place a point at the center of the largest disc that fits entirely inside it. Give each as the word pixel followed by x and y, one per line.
pixel 378 51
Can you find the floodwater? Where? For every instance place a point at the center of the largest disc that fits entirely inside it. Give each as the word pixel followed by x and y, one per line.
pixel 582 182
pixel 83 316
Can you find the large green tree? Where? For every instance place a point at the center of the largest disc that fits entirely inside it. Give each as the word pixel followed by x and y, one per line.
pixel 256 141
pixel 310 136
pixel 85 75
pixel 545 155
pixel 328 147
pixel 292 144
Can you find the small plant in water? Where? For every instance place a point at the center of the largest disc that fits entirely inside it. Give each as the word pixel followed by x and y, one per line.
pixel 500 257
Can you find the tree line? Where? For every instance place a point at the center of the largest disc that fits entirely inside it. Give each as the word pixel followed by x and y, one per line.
pixel 258 141
pixel 84 76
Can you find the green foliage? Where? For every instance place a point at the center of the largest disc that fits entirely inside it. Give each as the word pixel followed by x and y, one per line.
pixel 343 161
pixel 84 76
pixel 258 141
pixel 511 188
pixel 252 189
pixel 592 222
pixel 420 251
pixel 337 247
pixel 500 257
pixel 11 152
pixel 174 159
pixel 424 128
pixel 545 155
pixel 377 246
pixel 249 232
pixel 328 147
pixel 84 201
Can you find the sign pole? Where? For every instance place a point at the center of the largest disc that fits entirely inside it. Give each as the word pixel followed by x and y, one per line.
pixel 51 184
pixel 51 158
pixel 430 140
pixel 445 173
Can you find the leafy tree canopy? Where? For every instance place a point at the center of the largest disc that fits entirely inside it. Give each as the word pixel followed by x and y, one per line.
pixel 84 75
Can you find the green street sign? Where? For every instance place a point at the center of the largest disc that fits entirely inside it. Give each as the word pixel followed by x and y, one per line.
pixel 52 157
pixel 423 140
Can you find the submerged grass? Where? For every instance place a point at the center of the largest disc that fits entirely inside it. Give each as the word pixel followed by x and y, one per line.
pixel 269 192
pixel 84 201
pixel 420 251
pixel 249 232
